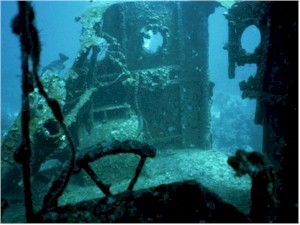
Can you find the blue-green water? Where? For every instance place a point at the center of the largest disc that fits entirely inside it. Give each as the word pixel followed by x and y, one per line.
pixel 232 118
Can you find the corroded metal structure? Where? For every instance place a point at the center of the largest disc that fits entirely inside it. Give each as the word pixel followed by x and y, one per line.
pixel 274 86
pixel 162 97
pixel 169 89
pixel 116 89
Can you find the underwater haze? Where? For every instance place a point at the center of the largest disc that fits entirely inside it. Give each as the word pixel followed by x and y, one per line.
pixel 56 24
pixel 119 76
pixel 59 33
pixel 229 110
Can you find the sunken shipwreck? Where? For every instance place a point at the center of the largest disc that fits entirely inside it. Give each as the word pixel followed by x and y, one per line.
pixel 144 115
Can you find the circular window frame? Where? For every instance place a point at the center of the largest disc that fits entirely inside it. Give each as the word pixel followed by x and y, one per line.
pixel 243 33
pixel 155 28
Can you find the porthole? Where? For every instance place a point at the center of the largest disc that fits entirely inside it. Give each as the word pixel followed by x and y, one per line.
pixel 250 39
pixel 152 41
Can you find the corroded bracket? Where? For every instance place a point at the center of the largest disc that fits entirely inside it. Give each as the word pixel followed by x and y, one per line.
pixel 111 148
pixel 264 180
pixel 91 154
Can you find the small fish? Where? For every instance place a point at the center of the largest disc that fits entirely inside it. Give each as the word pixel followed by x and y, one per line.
pixel 57 65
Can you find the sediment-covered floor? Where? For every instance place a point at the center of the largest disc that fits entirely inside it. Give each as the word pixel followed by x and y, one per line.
pixel 209 167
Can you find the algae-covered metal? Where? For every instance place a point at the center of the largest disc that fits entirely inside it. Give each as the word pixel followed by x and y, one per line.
pixel 126 89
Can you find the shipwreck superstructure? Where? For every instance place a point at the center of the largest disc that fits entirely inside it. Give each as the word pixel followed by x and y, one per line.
pixel 140 79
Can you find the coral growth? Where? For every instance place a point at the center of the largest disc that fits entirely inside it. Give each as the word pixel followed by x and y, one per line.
pixel 91 18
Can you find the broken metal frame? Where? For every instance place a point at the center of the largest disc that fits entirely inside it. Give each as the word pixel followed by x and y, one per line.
pixel 91 154
pixel 274 86
pixel 239 18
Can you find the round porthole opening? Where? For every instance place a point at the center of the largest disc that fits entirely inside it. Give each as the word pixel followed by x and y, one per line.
pixel 250 39
pixel 153 41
